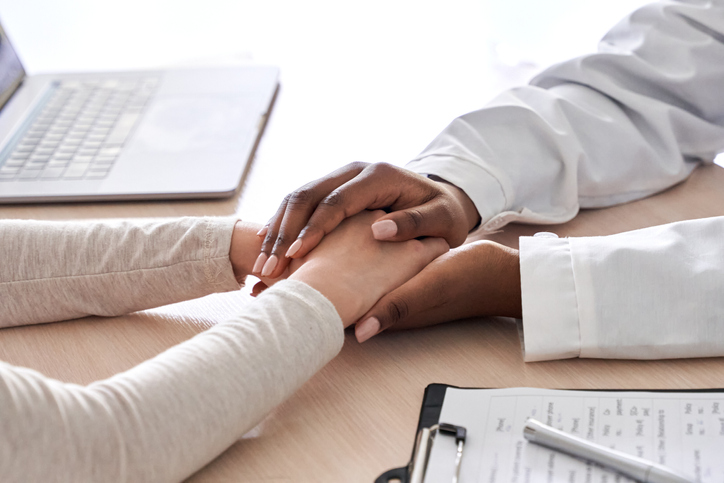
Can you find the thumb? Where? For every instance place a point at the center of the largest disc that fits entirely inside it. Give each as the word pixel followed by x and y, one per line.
pixel 432 219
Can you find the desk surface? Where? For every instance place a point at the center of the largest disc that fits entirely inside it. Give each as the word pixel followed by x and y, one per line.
pixel 356 418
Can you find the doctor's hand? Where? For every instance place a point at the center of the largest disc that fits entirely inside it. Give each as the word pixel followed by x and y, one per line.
pixel 353 270
pixel 418 206
pixel 477 279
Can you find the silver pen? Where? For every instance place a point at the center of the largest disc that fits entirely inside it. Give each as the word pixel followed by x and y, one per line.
pixel 634 467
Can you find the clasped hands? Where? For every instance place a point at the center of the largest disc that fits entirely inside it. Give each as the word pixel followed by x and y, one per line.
pixel 386 270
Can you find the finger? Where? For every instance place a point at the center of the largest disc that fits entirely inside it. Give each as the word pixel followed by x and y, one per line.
pixel 298 207
pixel 379 186
pixel 268 231
pixel 434 218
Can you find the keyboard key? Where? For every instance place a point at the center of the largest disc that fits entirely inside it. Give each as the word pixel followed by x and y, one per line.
pixel 75 171
pixel 20 155
pixel 29 173
pixel 52 172
pixel 14 162
pixel 25 148
pixel 66 149
pixel 9 169
pixel 48 146
pixel 39 157
pixel 109 151
pixel 104 160
pixel 96 174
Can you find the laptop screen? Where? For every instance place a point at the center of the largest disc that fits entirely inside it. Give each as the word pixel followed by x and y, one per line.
pixel 11 70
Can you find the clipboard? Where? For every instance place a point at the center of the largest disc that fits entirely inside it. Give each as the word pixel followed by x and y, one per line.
pixel 429 417
pixel 431 409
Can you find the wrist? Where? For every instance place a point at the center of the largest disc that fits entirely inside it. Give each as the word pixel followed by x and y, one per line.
pixel 472 217
pixel 245 247
pixel 496 274
pixel 338 290
pixel 512 305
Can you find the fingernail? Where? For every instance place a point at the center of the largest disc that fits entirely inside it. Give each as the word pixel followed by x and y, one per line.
pixel 269 266
pixel 384 229
pixel 263 230
pixel 260 260
pixel 366 329
pixel 294 248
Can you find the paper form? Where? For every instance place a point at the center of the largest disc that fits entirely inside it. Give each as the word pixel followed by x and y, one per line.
pixel 682 430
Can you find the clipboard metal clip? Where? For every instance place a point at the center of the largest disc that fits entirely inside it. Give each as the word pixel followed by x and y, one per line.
pixel 418 465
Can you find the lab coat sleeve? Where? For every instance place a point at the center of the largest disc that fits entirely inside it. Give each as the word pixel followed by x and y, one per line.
pixel 646 294
pixel 602 129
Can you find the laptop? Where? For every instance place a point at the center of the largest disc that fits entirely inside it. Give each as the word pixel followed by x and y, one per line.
pixel 186 133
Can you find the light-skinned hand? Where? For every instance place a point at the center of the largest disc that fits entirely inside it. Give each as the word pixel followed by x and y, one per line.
pixel 418 206
pixel 353 270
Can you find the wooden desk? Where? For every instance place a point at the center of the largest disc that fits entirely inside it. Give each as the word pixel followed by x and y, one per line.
pixel 357 417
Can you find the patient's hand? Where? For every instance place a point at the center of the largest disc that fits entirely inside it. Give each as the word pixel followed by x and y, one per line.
pixel 477 279
pixel 353 270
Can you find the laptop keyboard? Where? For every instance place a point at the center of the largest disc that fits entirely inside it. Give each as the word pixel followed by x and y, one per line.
pixel 80 131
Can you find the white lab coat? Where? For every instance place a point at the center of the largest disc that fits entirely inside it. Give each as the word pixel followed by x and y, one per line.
pixel 606 128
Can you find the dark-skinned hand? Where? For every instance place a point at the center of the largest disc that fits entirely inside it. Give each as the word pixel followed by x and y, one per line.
pixel 417 206
pixel 477 279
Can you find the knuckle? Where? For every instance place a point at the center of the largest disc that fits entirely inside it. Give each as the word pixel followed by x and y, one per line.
pixel 397 310
pixel 357 166
pixel 268 242
pixel 334 199
pixel 414 218
pixel 281 240
pixel 382 169
pixel 311 231
pixel 302 196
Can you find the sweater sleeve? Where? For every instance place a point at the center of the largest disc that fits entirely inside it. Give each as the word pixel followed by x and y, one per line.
pixel 653 293
pixel 55 271
pixel 167 417
pixel 606 128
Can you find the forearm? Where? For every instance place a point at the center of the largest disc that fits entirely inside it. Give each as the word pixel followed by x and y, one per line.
pixel 647 294
pixel 603 129
pixel 55 271
pixel 166 418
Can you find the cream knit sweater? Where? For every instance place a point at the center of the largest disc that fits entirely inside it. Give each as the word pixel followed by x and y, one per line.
pixel 169 416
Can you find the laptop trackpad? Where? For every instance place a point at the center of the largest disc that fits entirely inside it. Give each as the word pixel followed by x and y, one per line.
pixel 202 123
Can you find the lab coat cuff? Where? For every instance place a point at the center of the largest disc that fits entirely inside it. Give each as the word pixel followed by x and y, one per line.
pixel 550 309
pixel 483 189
